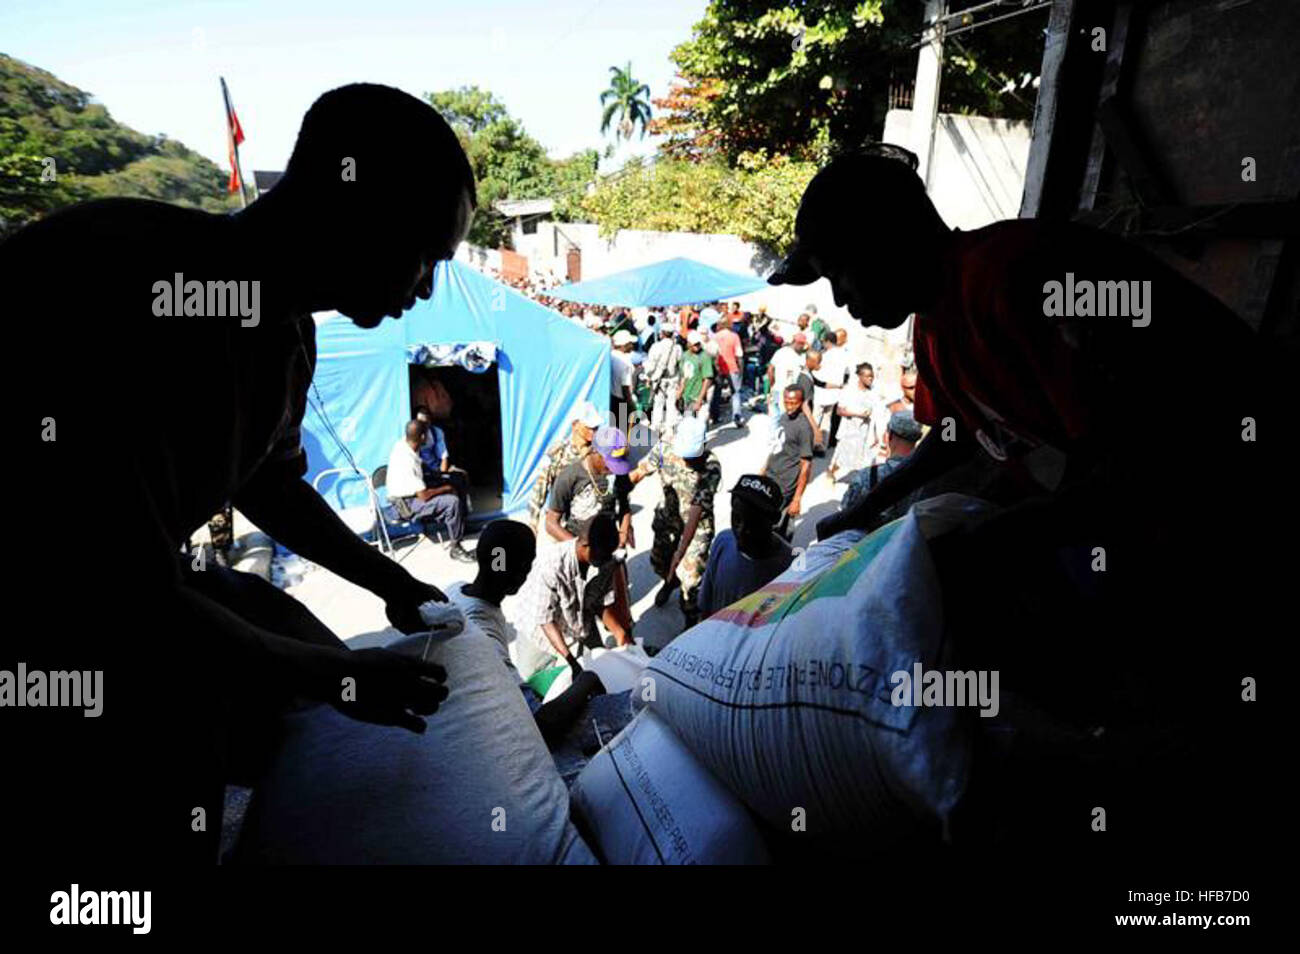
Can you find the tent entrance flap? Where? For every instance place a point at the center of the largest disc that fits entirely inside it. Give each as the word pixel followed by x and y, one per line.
pixel 467 407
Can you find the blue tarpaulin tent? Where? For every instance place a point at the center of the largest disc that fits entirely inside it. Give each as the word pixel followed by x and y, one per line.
pixel 677 281
pixel 361 398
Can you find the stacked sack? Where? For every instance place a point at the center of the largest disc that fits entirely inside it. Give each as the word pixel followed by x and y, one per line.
pixel 782 705
pixel 477 787
pixel 645 800
pixel 787 695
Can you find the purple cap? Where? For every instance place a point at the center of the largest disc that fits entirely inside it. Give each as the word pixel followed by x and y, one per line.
pixel 612 445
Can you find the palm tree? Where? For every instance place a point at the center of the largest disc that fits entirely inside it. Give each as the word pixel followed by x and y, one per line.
pixel 627 99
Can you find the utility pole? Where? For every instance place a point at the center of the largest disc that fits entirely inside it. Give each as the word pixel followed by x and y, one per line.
pixel 925 95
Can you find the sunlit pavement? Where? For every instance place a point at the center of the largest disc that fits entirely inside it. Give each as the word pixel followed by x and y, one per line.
pixel 358 616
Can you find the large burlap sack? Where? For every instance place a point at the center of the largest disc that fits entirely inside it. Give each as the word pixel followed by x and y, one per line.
pixel 478 787
pixel 645 800
pixel 786 695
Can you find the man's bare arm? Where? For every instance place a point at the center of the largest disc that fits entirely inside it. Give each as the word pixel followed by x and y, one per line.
pixel 556 639
pixel 555 528
pixel 932 458
pixel 688 534
pixel 296 516
pixel 796 500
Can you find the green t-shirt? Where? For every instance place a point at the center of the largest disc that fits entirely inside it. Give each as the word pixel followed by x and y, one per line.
pixel 695 369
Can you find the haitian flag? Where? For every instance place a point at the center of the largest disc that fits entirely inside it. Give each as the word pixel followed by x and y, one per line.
pixel 234 136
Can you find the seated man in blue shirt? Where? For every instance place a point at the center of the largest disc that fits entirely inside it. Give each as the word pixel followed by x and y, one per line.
pixel 436 462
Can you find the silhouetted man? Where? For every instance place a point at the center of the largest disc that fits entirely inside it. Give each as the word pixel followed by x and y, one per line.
pixel 1041 390
pixel 202 324
pixel 1042 345
pixel 505 553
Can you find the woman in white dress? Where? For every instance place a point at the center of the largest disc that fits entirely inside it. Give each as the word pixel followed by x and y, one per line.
pixel 861 436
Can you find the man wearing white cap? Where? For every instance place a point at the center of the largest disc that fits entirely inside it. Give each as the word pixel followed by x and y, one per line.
pixel 584 421
pixel 697 379
pixel 621 371
pixel 683 524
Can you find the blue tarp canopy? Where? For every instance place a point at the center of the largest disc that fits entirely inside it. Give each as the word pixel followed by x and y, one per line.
pixel 361 396
pixel 677 281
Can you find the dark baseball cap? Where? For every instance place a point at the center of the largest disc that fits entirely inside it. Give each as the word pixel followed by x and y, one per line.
pixel 853 191
pixel 903 424
pixel 763 492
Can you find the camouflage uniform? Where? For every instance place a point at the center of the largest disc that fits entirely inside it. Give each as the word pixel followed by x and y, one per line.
pixel 683 487
pixel 662 371
pixel 561 455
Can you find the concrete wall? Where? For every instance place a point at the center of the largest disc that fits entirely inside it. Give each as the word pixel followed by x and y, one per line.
pixel 978 169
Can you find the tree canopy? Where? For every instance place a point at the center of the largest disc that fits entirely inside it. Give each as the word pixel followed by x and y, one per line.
pixel 58 146
pixel 756 201
pixel 768 90
pixel 628 99
pixel 508 162
pixel 800 79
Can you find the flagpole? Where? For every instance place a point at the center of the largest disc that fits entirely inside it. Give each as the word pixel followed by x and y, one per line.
pixel 234 145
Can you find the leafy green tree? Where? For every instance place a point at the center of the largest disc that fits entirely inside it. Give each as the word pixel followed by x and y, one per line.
pixel 628 99
pixel 58 147
pixel 508 163
pixel 756 200
pixel 568 181
pixel 802 78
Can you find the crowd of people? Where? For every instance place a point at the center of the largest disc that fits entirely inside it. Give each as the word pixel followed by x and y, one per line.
pixel 1040 406
pixel 675 373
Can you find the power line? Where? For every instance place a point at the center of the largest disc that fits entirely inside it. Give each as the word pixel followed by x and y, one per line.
pixel 984 23
pixel 953 14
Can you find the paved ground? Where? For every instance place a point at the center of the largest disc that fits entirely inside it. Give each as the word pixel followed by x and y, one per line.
pixel 358 616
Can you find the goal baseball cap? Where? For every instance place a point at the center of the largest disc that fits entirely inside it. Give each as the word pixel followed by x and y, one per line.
pixel 759 490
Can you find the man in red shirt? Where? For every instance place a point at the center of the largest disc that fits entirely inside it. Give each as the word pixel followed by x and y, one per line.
pixel 1065 357
pixel 687 321
pixel 731 359
pixel 1005 363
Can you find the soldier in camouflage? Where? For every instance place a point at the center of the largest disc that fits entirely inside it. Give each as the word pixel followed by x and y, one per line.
pixel 586 418
pixel 662 368
pixel 683 524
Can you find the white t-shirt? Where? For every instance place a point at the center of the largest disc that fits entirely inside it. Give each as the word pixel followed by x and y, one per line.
pixel 486 616
pixel 405 475
pixel 835 368
pixel 858 400
pixel 620 373
pixel 787 364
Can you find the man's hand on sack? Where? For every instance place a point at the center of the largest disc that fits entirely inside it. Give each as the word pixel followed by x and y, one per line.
pixel 863 517
pixel 371 685
pixel 403 609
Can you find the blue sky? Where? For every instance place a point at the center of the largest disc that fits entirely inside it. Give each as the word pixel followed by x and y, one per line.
pixel 154 63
